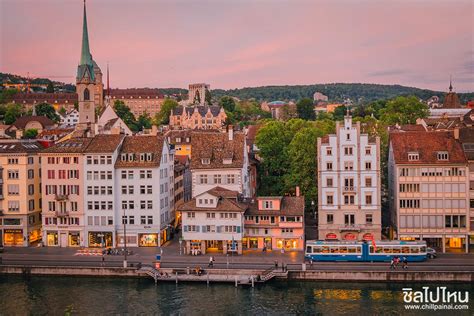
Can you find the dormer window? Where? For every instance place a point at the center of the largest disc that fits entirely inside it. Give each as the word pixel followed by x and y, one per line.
pixel 149 156
pixel 268 205
pixel 227 161
pixel 123 157
pixel 131 157
pixel 443 155
pixel 413 156
pixel 142 157
pixel 206 161
pixel 178 139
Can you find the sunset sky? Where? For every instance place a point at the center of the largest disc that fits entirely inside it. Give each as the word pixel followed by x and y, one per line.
pixel 234 43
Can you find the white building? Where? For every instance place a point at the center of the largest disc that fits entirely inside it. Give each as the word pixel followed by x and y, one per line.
pixel 213 220
pixel 145 193
pixel 349 203
pixel 220 159
pixel 70 118
pixel 100 188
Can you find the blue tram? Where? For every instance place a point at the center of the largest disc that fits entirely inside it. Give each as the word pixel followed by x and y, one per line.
pixel 365 251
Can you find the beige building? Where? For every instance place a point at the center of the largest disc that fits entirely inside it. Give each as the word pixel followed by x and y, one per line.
pixel 140 101
pixel 20 194
pixel 429 189
pixel 198 117
pixel 62 169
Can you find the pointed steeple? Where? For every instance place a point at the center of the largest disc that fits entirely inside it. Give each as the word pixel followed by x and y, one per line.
pixel 86 58
pixel 108 87
pixel 450 84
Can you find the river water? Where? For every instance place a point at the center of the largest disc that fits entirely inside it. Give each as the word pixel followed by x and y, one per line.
pixel 107 296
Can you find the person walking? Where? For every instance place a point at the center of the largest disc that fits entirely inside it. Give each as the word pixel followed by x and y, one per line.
pixel 103 259
pixel 276 264
pixel 405 263
pixel 392 263
pixel 210 262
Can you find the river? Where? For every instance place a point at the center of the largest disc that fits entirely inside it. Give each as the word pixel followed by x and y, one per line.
pixel 37 295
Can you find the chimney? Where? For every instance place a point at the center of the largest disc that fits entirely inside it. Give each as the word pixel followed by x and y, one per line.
pixel 456 133
pixel 231 132
pixel 154 130
pixel 297 191
pixel 19 134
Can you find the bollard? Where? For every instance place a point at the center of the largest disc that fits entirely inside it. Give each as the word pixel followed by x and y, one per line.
pixel 187 270
pixel 303 266
pixel 208 278
pixel 252 281
pixel 235 281
pixel 176 277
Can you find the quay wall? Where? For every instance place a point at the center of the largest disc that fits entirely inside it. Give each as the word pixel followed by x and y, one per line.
pixel 382 276
pixel 223 275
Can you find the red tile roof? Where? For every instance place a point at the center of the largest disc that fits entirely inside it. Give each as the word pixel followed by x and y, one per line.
pixel 427 145
pixel 290 206
pixel 104 143
pixel 141 145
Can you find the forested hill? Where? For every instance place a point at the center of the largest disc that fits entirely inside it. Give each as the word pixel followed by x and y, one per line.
pixel 336 92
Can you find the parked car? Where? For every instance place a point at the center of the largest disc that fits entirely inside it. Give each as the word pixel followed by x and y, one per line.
pixel 431 253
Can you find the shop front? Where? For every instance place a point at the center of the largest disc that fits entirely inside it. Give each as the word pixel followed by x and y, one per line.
pixel 253 243
pixel 214 245
pixel 100 239
pixel 267 241
pixel 288 244
pixel 456 244
pixel 148 240
pixel 52 238
pixel 35 235
pixel 74 239
pixel 13 237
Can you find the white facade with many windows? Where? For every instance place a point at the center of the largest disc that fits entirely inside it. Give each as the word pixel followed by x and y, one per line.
pixel 349 203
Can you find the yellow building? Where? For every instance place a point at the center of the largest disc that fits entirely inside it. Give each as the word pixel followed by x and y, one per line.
pixel 20 195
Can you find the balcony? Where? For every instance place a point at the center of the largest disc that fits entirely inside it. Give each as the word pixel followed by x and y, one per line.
pixel 61 197
pixel 62 213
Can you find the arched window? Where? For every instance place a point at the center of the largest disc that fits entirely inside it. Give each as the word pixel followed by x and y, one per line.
pixel 86 94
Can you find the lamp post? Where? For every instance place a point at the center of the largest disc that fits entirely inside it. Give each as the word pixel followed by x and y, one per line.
pixel 124 221
pixel 180 243
pixel 313 209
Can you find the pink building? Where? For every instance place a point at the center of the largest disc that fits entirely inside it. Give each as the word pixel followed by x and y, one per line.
pixel 275 222
pixel 62 193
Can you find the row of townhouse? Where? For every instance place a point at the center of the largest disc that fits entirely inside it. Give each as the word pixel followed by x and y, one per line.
pixel 108 189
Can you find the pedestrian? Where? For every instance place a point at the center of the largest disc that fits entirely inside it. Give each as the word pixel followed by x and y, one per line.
pixel 311 262
pixel 264 249
pixel 103 259
pixel 282 250
pixel 397 261
pixel 276 264
pixel 405 263
pixel 392 263
pixel 210 262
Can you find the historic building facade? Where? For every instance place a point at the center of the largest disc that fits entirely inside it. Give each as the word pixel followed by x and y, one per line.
pixel 197 117
pixel 20 193
pixel 429 189
pixel 349 202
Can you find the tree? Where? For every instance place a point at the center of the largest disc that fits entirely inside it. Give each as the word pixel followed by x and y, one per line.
pixel 228 103
pixel 123 111
pixel 403 110
pixel 163 117
pixel 144 121
pixel 339 113
pixel 305 109
pixel 208 97
pixel 45 109
pixel 6 95
pixel 197 98
pixel 62 111
pixel 31 133
pixel 50 88
pixel 13 111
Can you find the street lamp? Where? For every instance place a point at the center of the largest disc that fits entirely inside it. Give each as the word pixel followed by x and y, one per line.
pixel 313 209
pixel 180 243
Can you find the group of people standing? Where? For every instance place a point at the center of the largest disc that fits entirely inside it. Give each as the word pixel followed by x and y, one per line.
pixel 395 261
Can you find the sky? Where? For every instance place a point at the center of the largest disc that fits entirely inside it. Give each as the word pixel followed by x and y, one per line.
pixel 243 43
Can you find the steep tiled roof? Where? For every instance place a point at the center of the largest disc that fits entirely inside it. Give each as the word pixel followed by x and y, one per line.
pixel 202 109
pixel 104 143
pixel 290 206
pixel 216 147
pixel 466 137
pixel 226 202
pixel 21 122
pixel 451 101
pixel 144 93
pixel 408 128
pixel 73 145
pixel 141 145
pixel 13 147
pixel 427 145
pixel 252 131
pixel 51 98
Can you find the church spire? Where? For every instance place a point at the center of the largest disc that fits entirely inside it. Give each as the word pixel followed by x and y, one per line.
pixel 450 84
pixel 108 86
pixel 86 58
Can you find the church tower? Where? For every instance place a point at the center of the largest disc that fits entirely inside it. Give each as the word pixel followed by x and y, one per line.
pixel 89 86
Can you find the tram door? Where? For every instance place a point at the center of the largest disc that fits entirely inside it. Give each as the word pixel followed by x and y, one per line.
pixel 365 251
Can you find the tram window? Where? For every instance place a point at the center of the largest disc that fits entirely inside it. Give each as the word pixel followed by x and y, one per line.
pixel 334 249
pixel 359 249
pixel 343 249
pixel 371 249
pixel 387 250
pixel 316 249
pixel 405 249
pixel 325 249
pixel 351 249
pixel 414 249
pixel 396 250
pixel 309 249
pixel 423 249
pixel 379 250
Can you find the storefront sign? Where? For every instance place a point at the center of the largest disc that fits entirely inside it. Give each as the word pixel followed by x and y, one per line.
pixel 331 236
pixel 368 236
pixel 13 231
pixel 349 236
